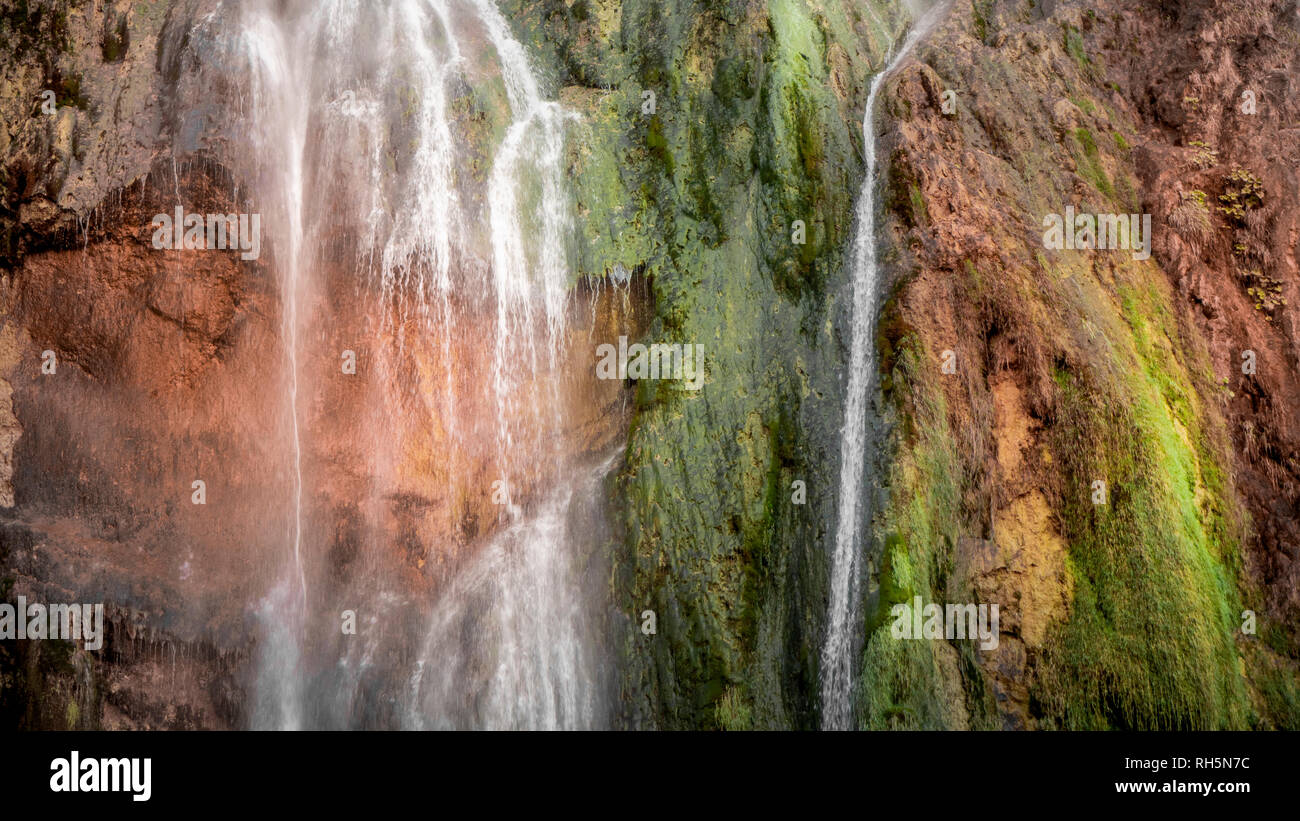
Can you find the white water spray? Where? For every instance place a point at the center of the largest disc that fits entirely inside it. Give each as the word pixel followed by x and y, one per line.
pixel 348 106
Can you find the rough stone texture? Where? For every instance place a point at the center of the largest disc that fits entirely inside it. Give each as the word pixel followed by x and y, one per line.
pixel 756 123
pixel 1078 367
pixel 1072 367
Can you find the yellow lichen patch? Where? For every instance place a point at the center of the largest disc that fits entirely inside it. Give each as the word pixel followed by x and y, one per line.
pixel 1011 426
pixel 10 430
pixel 1031 548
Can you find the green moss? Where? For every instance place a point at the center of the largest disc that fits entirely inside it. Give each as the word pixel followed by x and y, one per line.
pixel 68 92
pixel 749 137
pixel 901 687
pixel 1072 40
pixel 981 9
pixel 658 145
pixel 1160 559
pixel 920 215
pixel 732 712
pixel 1089 162
pixel 1275 681
pixel 116 42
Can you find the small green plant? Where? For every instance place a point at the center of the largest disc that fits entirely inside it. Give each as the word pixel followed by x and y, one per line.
pixel 732 713
pixel 1204 156
pixel 1243 191
pixel 982 9
pixel 920 214
pixel 1090 165
pixel 1264 291
pixel 1085 104
pixel 1073 43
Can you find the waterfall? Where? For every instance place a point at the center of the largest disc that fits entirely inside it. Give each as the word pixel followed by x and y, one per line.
pixel 842 614
pixel 275 83
pixel 528 661
pixel 354 114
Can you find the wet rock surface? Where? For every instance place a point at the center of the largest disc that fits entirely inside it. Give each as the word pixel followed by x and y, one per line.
pixel 166 367
pixel 1072 368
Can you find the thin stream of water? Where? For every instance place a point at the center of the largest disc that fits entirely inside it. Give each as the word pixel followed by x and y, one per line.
pixel 842 615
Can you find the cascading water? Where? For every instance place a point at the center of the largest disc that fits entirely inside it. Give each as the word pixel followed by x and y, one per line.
pixel 842 615
pixel 274 84
pixel 356 112
pixel 507 644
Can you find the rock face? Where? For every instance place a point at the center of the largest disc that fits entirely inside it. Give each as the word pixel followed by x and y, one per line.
pixel 131 373
pixel 90 465
pixel 710 135
pixel 717 129
pixel 1081 368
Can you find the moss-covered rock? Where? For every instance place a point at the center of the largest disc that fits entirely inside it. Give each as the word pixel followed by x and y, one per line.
pixel 708 131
